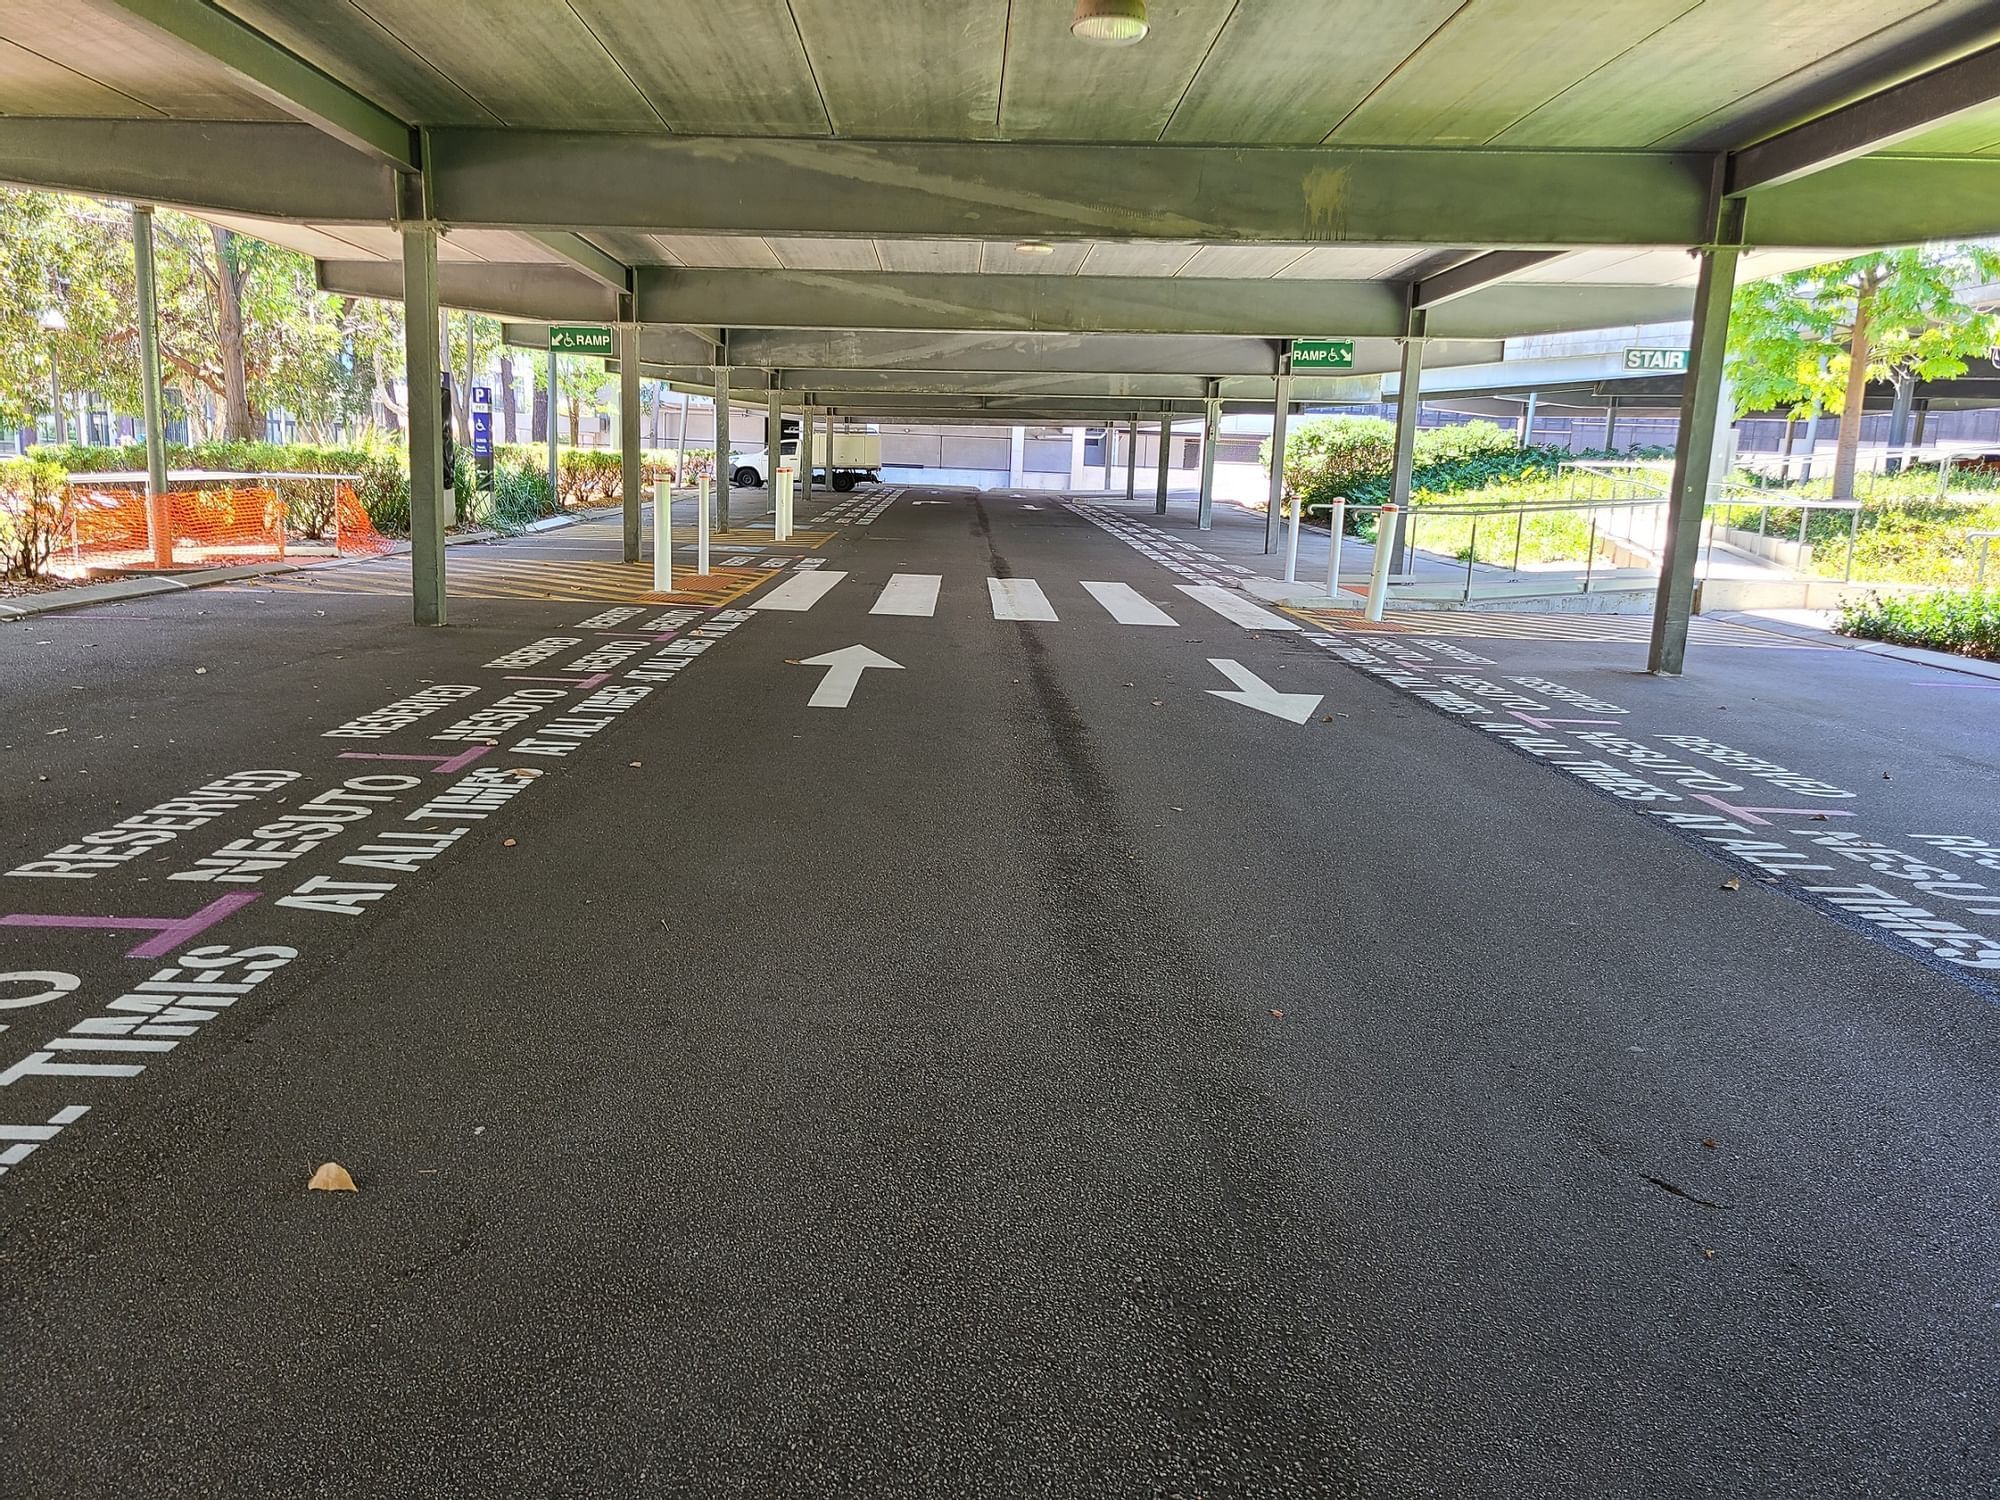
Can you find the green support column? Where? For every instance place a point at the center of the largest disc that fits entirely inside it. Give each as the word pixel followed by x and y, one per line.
pixel 1281 411
pixel 1166 462
pixel 159 521
pixel 1694 450
pixel 774 441
pixel 1211 428
pixel 555 459
pixel 722 447
pixel 1409 403
pixel 807 423
pixel 420 362
pixel 631 472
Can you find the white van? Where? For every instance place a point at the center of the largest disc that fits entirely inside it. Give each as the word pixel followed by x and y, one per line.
pixel 857 455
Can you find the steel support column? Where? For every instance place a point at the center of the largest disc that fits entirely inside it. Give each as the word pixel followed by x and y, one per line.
pixel 1166 460
pixel 722 465
pixel 631 471
pixel 420 361
pixel 1077 436
pixel 555 458
pixel 1017 451
pixel 774 441
pixel 1610 424
pixel 159 519
pixel 1899 422
pixel 1528 421
pixel 1131 459
pixel 1281 410
pixel 807 422
pixel 1409 405
pixel 1694 450
pixel 1211 427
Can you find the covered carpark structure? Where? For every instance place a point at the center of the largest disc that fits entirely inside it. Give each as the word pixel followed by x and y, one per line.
pixel 896 208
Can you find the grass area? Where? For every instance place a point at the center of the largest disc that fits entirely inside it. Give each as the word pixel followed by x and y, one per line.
pixel 1964 622
pixel 1906 532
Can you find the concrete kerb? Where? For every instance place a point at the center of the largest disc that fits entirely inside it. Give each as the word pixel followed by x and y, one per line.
pixel 28 606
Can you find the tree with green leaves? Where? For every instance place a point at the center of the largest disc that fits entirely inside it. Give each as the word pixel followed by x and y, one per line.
pixel 1815 337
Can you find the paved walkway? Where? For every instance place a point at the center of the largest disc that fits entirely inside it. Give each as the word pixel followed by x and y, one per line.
pixel 986 1010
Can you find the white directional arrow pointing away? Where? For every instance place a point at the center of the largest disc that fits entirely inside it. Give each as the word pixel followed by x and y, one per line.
pixel 843 670
pixel 1254 692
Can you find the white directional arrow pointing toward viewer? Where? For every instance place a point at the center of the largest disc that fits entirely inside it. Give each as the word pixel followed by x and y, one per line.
pixel 1254 692
pixel 843 670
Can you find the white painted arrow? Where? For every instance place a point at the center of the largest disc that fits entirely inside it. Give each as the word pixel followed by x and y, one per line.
pixel 843 670
pixel 1254 692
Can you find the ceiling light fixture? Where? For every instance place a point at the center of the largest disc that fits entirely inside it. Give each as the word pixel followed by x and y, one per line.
pixel 1109 23
pixel 1034 247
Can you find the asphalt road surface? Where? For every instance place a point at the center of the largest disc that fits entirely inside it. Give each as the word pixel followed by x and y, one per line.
pixel 1037 1076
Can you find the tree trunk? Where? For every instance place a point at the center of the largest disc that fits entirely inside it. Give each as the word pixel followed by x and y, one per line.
pixel 538 416
pixel 507 396
pixel 576 421
pixel 237 423
pixel 1848 444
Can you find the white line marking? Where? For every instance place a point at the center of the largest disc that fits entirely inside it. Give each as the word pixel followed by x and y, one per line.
pixel 1234 608
pixel 909 594
pixel 1019 599
pixel 1127 605
pixel 801 591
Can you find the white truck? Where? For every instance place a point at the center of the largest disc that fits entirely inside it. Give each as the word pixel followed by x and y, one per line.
pixel 857 455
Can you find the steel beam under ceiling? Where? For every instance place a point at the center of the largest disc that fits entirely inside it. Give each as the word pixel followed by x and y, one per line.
pixel 1875 123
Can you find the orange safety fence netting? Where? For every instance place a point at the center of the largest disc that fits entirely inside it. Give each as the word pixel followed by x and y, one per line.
pixel 237 521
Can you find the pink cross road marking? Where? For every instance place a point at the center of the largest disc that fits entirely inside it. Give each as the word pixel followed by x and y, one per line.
pixel 1541 723
pixel 442 765
pixel 576 682
pixel 1749 814
pixel 168 932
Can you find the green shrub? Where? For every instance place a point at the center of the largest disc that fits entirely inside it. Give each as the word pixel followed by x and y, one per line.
pixel 34 514
pixel 1965 622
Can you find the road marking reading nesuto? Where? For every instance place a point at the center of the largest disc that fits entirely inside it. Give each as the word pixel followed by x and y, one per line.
pixel 1253 691
pixel 1127 605
pixel 801 591
pixel 1234 607
pixel 843 670
pixel 1019 599
pixel 909 594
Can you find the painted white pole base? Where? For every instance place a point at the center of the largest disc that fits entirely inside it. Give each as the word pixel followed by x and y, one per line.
pixel 663 537
pixel 1338 517
pixel 1386 521
pixel 701 527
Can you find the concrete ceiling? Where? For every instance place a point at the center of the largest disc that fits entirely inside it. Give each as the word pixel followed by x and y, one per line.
pixel 1255 168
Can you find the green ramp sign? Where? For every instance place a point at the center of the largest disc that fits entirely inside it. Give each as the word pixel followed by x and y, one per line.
pixel 568 339
pixel 1322 354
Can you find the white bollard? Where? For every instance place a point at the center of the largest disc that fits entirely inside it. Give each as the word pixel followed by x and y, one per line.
pixel 1292 542
pixel 701 527
pixel 781 505
pixel 663 537
pixel 1385 543
pixel 1338 517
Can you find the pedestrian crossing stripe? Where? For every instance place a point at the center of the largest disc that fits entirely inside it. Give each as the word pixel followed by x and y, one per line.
pixel 507 578
pixel 751 539
pixel 1582 628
